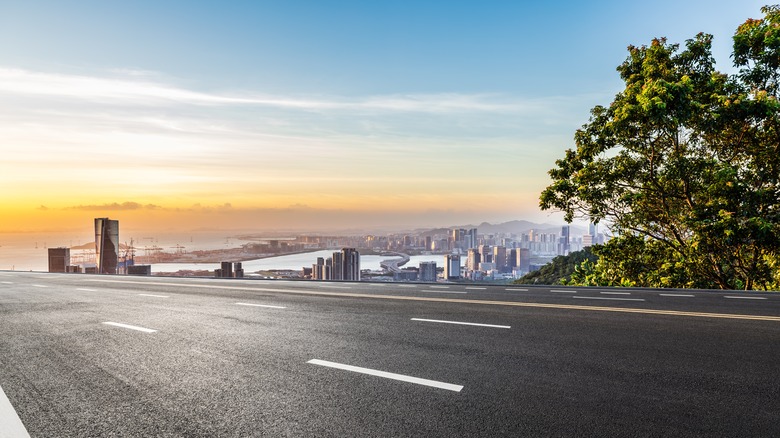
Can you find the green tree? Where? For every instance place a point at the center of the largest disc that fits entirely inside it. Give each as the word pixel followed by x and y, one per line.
pixel 560 270
pixel 683 166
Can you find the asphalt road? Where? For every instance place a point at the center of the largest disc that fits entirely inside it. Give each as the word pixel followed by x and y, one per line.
pixel 85 355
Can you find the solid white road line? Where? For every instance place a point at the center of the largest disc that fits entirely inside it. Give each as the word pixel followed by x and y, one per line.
pixel 85 289
pixel 605 298
pixel 401 377
pixel 131 327
pixel 12 426
pixel 677 295
pixel 563 291
pixel 745 298
pixel 476 288
pixel 462 323
pixel 615 293
pixel 152 295
pixel 517 289
pixel 444 291
pixel 260 305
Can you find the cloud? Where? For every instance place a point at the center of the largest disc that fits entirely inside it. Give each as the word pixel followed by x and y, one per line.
pixel 115 207
pixel 136 88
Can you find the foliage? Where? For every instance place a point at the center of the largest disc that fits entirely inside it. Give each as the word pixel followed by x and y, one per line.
pixel 684 166
pixel 559 270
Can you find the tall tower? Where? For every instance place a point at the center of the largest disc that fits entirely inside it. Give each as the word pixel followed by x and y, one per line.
pixel 565 245
pixel 452 267
pixel 473 260
pixel 106 245
pixel 499 257
pixel 351 264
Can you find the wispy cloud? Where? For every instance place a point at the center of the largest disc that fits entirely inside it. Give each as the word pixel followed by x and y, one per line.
pixel 115 206
pixel 135 88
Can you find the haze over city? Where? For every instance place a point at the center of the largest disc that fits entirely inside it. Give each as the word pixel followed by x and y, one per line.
pixel 308 115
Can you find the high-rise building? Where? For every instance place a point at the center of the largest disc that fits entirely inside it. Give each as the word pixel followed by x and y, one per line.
pixel 473 260
pixel 427 271
pixel 318 269
pixel 511 259
pixel 524 260
pixel 351 264
pixel 486 255
pixel 587 240
pixel 471 238
pixel 338 266
pixel 59 259
pixel 452 267
pixel 106 245
pixel 499 257
pixel 564 245
pixel 343 265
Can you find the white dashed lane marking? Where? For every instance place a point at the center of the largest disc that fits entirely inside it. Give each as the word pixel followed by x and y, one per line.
pixel 605 298
pixel 131 327
pixel 745 298
pixel 260 305
pixel 386 375
pixel 462 323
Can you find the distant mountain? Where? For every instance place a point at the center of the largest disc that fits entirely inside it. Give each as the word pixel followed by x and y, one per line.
pixel 511 227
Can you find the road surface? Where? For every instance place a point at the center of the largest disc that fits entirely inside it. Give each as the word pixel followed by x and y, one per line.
pixel 84 355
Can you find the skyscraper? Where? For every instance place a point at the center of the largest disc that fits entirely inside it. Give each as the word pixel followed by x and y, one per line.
pixel 427 271
pixel 343 265
pixel 473 260
pixel 452 267
pixel 564 245
pixel 351 264
pixel 499 257
pixel 106 245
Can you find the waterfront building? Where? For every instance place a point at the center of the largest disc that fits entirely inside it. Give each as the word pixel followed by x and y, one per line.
pixel 337 273
pixel 351 264
pixel 106 245
pixel 452 267
pixel 59 259
pixel 427 271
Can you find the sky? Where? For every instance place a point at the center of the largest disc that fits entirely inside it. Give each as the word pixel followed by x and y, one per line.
pixel 308 115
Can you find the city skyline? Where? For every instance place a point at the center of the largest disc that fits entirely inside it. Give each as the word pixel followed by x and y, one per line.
pixel 308 115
